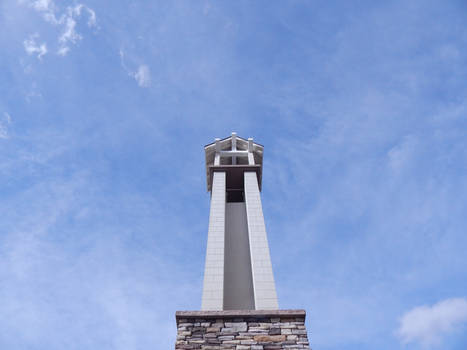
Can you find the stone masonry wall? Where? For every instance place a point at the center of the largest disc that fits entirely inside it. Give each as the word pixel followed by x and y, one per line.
pixel 241 330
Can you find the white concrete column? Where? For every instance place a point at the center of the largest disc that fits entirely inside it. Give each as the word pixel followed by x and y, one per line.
pixel 263 279
pixel 251 158
pixel 217 156
pixel 234 147
pixel 213 286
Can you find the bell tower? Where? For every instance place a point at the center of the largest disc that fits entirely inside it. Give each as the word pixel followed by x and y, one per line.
pixel 239 308
pixel 238 272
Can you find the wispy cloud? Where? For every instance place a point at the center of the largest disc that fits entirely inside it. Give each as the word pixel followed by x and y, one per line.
pixel 91 13
pixel 428 325
pixel 142 74
pixel 4 122
pixel 70 35
pixel 32 47
pixel 34 259
pixel 361 111
pixel 41 5
pixel 66 20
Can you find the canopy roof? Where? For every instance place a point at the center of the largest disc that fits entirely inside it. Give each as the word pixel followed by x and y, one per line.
pixel 226 145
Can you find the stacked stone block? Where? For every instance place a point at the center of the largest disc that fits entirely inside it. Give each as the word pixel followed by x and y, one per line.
pixel 241 330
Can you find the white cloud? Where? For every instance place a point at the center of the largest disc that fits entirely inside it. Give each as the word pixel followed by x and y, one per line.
pixel 46 7
pixel 4 125
pixel 63 51
pixel 42 5
pixel 428 324
pixel 143 76
pixel 32 47
pixel 66 19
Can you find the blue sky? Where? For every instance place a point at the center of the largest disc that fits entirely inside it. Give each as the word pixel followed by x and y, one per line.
pixel 104 110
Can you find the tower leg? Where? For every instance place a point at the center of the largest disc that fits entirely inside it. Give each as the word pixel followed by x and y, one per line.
pixel 263 279
pixel 213 286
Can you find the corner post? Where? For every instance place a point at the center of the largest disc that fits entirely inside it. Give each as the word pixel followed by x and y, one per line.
pixel 213 286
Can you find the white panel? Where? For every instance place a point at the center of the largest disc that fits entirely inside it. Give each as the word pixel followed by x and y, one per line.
pixel 213 286
pixel 263 279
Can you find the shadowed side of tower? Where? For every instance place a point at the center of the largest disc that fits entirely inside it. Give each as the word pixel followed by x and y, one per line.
pixel 239 308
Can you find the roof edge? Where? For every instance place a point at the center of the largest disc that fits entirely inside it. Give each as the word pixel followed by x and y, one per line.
pixel 238 137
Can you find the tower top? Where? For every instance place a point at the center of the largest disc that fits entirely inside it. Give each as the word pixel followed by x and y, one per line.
pixel 233 153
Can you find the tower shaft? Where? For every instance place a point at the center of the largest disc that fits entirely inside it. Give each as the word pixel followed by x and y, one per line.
pixel 238 272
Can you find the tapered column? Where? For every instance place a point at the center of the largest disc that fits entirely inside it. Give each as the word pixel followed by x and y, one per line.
pixel 213 287
pixel 263 279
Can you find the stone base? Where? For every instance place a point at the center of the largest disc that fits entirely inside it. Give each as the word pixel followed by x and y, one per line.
pixel 241 330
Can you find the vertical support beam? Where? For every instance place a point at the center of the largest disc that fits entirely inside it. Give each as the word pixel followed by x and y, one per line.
pixel 263 279
pixel 217 156
pixel 234 147
pixel 251 158
pixel 250 144
pixel 213 286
